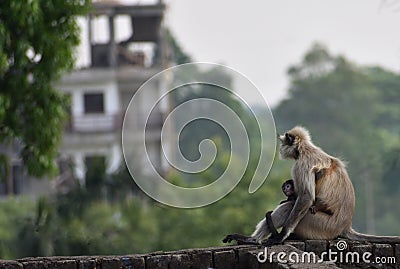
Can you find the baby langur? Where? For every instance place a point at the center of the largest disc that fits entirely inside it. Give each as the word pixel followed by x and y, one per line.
pixel 288 190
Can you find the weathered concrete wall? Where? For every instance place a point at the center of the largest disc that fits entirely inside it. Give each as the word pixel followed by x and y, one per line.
pixel 230 257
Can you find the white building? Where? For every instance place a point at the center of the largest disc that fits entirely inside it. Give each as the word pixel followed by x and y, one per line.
pixel 101 91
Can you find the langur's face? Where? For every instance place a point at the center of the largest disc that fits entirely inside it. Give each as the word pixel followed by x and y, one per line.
pixel 287 149
pixel 288 189
pixel 286 139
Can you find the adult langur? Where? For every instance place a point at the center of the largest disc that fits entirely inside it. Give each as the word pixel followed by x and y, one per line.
pixel 333 188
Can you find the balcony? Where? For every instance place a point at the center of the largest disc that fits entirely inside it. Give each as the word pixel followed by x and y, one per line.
pixel 95 123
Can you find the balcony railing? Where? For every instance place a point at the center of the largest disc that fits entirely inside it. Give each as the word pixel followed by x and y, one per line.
pixel 103 123
pixel 94 123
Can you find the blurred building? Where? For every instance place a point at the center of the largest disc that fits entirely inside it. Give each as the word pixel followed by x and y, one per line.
pixel 100 92
pixel 13 174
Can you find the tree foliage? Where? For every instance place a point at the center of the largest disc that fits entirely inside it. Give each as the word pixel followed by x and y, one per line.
pixel 87 223
pixel 37 39
pixel 177 54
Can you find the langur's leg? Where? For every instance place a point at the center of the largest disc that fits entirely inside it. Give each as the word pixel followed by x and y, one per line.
pixel 310 226
pixel 278 217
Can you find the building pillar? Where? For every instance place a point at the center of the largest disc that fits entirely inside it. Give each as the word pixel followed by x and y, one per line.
pixel 112 52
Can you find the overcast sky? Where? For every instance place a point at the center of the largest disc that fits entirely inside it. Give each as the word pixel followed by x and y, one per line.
pixel 261 38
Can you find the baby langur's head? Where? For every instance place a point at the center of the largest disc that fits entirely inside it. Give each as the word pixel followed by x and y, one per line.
pixel 288 187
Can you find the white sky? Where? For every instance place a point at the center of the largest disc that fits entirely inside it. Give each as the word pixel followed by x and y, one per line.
pixel 261 38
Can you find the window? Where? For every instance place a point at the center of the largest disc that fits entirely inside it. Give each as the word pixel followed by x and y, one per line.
pixel 94 103
pixel 95 171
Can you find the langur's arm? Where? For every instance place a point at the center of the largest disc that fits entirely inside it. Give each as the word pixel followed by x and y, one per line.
pixel 270 225
pixel 240 239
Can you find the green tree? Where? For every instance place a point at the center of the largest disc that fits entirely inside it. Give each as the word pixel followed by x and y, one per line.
pixel 14 215
pixel 178 55
pixel 200 129
pixel 37 39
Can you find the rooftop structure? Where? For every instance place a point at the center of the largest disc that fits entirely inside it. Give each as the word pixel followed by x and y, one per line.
pixel 100 92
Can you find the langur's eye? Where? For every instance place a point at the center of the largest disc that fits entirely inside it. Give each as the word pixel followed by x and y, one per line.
pixel 289 139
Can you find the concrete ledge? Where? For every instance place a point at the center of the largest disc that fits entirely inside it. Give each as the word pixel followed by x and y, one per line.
pixel 232 257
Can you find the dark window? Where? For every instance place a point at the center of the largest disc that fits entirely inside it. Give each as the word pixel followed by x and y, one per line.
pixel 68 123
pixel 95 172
pixel 18 180
pixel 13 181
pixel 94 103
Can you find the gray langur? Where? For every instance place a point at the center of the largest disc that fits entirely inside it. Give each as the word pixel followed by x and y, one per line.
pixel 318 177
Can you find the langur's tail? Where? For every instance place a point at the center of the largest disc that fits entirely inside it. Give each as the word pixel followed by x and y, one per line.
pixel 354 235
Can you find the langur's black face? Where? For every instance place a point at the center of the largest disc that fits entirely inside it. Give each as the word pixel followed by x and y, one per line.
pixel 286 139
pixel 287 149
pixel 288 189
